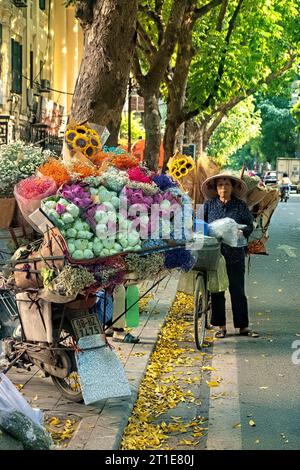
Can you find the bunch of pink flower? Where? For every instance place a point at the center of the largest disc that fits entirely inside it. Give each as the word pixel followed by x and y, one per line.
pixel 36 187
pixel 138 175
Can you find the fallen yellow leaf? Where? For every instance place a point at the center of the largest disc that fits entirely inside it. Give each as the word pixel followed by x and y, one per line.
pixel 186 442
pixel 54 421
pixel 252 423
pixel 212 383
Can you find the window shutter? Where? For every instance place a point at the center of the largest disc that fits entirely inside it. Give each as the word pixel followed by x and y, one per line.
pixel 16 63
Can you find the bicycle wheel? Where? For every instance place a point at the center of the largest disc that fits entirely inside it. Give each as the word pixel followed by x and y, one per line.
pixel 200 311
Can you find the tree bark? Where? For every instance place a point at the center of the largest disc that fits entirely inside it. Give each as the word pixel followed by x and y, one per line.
pixel 109 35
pixel 177 85
pixel 170 139
pixel 158 61
pixel 152 127
pixel 200 140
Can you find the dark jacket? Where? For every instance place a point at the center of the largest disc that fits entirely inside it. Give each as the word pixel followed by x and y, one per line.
pixel 237 210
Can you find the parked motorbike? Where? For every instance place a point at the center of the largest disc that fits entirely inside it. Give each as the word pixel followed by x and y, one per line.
pixel 284 193
pixel 55 355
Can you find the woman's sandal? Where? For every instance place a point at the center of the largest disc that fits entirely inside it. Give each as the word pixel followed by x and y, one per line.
pixel 128 338
pixel 250 333
pixel 220 333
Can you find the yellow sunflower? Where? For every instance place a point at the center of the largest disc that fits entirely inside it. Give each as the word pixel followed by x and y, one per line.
pixel 70 135
pixel 90 151
pixel 95 141
pixel 82 129
pixel 81 141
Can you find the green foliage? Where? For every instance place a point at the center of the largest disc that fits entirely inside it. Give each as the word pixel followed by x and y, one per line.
pixel 278 133
pixel 296 115
pixel 241 125
pixel 137 128
pixel 264 33
pixel 278 130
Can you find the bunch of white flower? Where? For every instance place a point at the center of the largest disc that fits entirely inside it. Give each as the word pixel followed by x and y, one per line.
pixel 18 161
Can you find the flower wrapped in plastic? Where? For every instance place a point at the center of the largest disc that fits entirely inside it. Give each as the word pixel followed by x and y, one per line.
pixel 30 192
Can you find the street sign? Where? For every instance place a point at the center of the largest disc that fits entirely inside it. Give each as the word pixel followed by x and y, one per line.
pixel 189 149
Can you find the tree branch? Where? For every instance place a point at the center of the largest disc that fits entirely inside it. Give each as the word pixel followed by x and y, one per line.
pixel 199 12
pixel 223 58
pixel 144 37
pixel 233 101
pixel 222 14
pixel 137 70
pixel 157 18
pixel 213 126
pixel 167 46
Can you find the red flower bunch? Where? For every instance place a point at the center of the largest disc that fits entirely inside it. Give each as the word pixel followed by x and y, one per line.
pixel 137 174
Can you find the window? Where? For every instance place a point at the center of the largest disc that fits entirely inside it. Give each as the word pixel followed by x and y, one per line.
pixel 31 69
pixel 42 4
pixel 41 69
pixel 16 66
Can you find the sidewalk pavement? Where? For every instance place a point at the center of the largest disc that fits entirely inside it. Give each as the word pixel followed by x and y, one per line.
pixel 102 427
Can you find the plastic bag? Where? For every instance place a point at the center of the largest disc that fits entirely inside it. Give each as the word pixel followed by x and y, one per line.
pixel 229 231
pixel 25 430
pixel 30 192
pixel 12 400
pixel 218 280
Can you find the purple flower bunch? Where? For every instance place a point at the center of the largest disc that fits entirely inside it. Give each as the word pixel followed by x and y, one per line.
pixel 76 193
pixel 164 182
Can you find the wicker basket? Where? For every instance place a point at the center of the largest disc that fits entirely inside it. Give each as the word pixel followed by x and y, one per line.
pixel 208 257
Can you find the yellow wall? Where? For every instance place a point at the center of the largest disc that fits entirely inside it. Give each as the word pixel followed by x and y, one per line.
pixel 56 38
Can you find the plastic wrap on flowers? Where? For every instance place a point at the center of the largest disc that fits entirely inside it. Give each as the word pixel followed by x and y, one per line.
pixel 179 258
pixel 30 192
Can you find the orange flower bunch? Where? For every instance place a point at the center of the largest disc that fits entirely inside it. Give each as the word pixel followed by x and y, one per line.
pixel 84 171
pixel 56 170
pixel 100 157
pixel 124 161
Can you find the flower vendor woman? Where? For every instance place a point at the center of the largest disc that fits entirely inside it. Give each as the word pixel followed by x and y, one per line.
pixel 224 194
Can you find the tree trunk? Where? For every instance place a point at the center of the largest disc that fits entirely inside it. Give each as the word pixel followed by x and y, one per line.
pixel 169 139
pixel 114 128
pixel 152 127
pixel 200 140
pixel 100 91
pixel 180 137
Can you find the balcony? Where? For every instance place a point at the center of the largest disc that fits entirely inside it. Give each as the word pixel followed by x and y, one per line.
pixel 20 3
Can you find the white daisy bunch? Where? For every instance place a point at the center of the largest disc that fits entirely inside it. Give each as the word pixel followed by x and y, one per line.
pixel 19 161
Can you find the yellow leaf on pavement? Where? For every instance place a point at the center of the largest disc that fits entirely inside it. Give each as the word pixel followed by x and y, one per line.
pixel 54 421
pixel 252 423
pixel 236 426
pixel 186 442
pixel 206 368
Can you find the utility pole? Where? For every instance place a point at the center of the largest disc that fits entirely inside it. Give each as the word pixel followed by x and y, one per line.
pixel 129 113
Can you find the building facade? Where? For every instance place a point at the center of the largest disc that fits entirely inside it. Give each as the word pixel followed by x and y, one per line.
pixel 41 46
